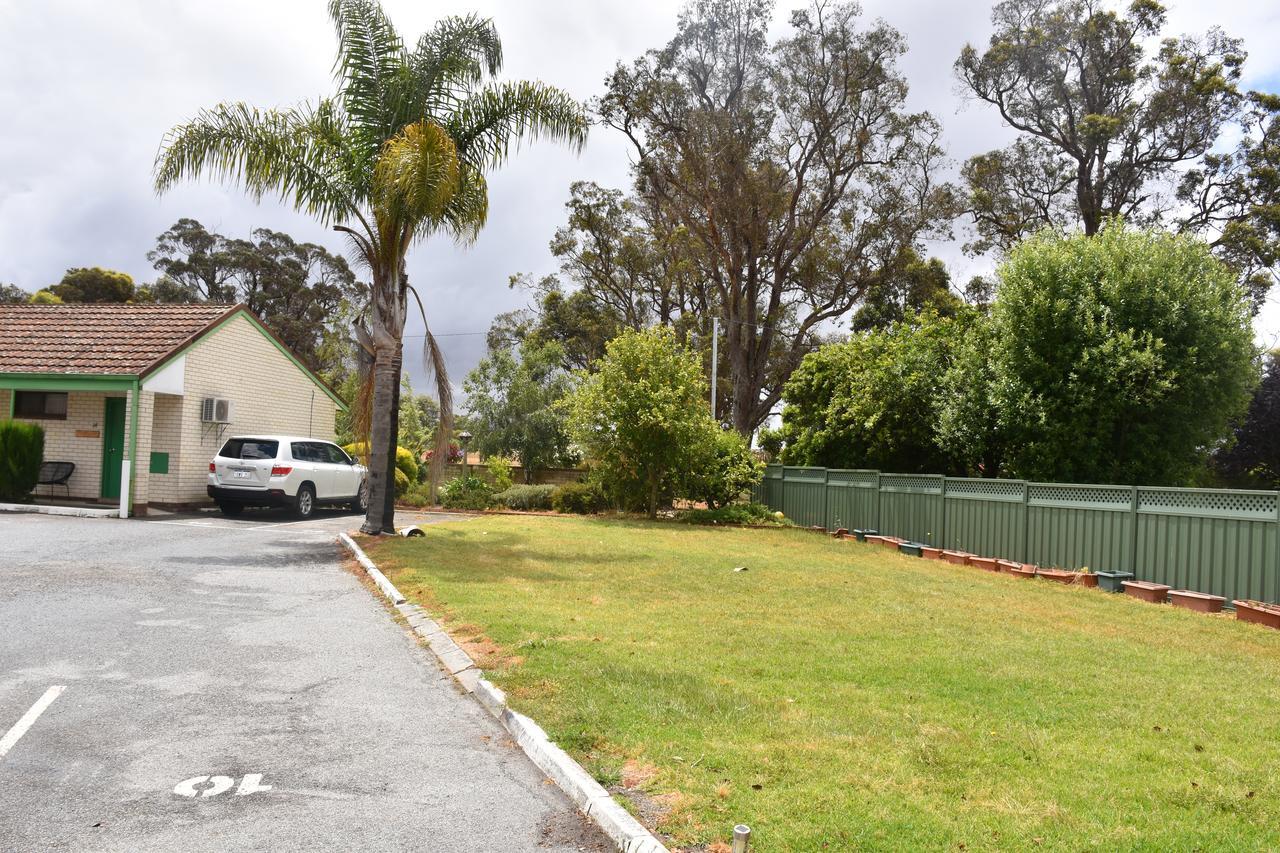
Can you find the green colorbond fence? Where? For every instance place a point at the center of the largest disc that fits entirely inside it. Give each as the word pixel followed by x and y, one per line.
pixel 1222 542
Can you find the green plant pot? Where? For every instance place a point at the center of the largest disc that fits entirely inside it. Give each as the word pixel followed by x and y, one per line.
pixel 1110 581
pixel 910 548
pixel 861 535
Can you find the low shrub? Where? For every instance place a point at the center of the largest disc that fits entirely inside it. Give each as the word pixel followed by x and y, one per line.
pixel 418 495
pixel 579 498
pixel 21 452
pixel 404 461
pixel 525 497
pixel 500 472
pixel 469 492
pixel 749 513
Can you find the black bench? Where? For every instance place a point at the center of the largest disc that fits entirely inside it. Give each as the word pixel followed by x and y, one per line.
pixel 56 474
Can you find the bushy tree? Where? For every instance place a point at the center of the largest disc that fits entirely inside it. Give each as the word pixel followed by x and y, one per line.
pixel 726 469
pixel 907 288
pixel 21 450
pixel 513 397
pixel 643 419
pixel 94 284
pixel 874 400
pixel 11 294
pixel 1252 461
pixel 1119 358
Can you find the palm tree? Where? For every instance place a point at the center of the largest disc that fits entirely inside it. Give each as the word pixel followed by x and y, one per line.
pixel 397 154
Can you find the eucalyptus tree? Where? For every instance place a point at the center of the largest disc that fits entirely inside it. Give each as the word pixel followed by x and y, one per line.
pixel 793 171
pixel 397 154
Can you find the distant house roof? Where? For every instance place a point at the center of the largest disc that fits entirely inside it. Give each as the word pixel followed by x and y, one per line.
pixel 115 340
pixel 122 340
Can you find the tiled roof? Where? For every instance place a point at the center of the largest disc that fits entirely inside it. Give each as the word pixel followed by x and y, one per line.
pixel 98 339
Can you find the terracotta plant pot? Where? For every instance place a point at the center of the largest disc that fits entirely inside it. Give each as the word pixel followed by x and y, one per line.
pixel 1024 570
pixel 1198 601
pixel 871 538
pixel 1111 581
pixel 861 535
pixel 911 549
pixel 1258 612
pixel 1007 566
pixel 1057 575
pixel 985 563
pixel 840 534
pixel 957 558
pixel 1087 579
pixel 1155 593
pixel 930 553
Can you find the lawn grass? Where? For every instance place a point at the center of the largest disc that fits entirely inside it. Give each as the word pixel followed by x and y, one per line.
pixel 838 696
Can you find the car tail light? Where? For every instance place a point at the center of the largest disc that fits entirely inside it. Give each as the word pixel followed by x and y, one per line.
pixel 280 470
pixel 212 468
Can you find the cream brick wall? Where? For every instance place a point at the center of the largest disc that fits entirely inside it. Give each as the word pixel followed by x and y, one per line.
pixel 166 437
pixel 269 394
pixel 84 413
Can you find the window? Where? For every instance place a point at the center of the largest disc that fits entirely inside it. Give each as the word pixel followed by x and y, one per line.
pixel 44 405
pixel 249 448
pixel 337 455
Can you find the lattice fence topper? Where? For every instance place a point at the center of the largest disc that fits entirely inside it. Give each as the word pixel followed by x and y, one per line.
pixel 855 478
pixel 986 490
pixel 804 475
pixel 922 483
pixel 1246 506
pixel 1084 497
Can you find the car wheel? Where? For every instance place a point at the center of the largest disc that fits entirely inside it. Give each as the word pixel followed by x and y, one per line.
pixel 304 505
pixel 361 502
pixel 230 509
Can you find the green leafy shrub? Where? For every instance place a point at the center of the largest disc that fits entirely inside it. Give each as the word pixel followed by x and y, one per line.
pixel 749 513
pixel 500 470
pixel 419 494
pixel 579 498
pixel 21 451
pixel 525 497
pixel 726 469
pixel 469 492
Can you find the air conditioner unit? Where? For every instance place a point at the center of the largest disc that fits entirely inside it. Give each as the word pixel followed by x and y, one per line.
pixel 215 410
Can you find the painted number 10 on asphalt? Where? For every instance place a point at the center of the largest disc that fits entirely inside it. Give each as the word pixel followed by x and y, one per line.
pixel 212 786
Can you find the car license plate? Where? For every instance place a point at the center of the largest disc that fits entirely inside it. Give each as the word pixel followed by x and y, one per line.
pixel 242 475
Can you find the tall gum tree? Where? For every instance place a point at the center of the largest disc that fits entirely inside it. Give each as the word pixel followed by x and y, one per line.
pixel 793 170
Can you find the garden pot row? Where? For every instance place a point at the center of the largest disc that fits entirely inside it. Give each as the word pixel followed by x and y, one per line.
pixel 1257 612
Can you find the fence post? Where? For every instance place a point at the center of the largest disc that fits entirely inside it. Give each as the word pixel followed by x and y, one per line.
pixel 1025 556
pixel 878 522
pixel 941 541
pixel 826 498
pixel 1133 530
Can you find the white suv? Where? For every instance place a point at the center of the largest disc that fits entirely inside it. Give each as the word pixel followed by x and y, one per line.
pixel 286 470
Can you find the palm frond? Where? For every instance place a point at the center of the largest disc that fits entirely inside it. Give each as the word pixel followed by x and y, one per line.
pixel 297 154
pixel 417 174
pixel 433 360
pixel 468 210
pixel 487 123
pixel 371 69
pixel 454 57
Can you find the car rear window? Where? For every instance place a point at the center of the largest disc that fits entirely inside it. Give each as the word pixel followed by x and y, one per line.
pixel 250 448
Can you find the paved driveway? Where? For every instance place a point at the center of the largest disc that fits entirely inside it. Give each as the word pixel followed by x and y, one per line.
pixel 238 662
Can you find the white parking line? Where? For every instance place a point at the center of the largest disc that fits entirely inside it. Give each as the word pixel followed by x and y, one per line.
pixel 20 728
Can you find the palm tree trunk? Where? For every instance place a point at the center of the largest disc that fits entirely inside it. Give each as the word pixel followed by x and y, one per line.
pixel 389 505
pixel 386 378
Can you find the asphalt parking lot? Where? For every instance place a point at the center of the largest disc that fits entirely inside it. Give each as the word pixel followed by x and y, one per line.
pixel 201 683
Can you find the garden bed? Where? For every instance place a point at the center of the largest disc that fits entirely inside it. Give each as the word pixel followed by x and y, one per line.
pixel 860 699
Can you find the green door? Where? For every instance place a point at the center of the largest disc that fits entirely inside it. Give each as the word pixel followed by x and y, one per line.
pixel 112 446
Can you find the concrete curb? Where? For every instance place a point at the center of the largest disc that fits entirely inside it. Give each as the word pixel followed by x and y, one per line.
pixel 587 794
pixel 388 589
pixel 74 511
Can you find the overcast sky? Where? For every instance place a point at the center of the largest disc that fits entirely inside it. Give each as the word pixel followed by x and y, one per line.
pixel 89 88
